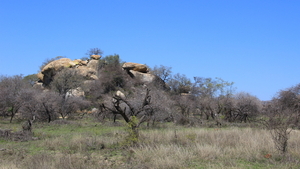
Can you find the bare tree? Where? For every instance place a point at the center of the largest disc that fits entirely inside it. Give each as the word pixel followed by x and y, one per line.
pixel 30 106
pixel 207 106
pixel 94 51
pixel 279 121
pixel 184 106
pixel 246 107
pixel 11 90
pixel 48 105
pixel 162 72
pixel 282 115
pixel 66 80
pixel 179 83
pixel 161 104
pixel 70 105
pixel 134 112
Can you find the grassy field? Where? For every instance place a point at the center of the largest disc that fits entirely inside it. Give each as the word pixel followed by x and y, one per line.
pixel 92 145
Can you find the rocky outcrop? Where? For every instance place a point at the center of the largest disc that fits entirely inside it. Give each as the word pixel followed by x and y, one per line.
pixel 87 68
pixel 135 67
pixel 51 69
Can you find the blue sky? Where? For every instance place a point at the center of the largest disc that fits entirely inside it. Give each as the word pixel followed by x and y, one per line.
pixel 253 43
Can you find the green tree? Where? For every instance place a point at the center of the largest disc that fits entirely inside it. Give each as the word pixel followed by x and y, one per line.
pixel 31 79
pixel 212 88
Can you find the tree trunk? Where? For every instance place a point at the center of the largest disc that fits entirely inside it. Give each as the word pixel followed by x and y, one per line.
pixel 12 115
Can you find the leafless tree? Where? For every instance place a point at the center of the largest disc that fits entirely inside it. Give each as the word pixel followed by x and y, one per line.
pixel 246 107
pixel 66 80
pixel 163 72
pixel 179 83
pixel 30 103
pixel 207 106
pixel 11 90
pixel 94 51
pixel 134 111
pixel 70 105
pixel 48 105
pixel 162 104
pixel 226 107
pixel 184 106
pixel 279 121
pixel 282 115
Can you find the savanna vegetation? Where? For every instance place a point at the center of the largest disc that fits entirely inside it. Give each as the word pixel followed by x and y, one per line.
pixel 117 120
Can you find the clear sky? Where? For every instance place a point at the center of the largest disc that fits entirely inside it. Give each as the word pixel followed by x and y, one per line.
pixel 253 43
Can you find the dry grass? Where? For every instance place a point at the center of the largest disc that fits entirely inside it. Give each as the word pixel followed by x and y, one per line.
pixel 74 146
pixel 228 148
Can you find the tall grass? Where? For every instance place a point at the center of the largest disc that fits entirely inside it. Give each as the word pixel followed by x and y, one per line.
pixel 228 148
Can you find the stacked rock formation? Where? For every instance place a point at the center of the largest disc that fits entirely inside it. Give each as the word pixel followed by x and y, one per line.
pixel 87 68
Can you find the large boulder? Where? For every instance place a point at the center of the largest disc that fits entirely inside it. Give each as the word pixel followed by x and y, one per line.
pixel 143 77
pixel 148 78
pixel 96 57
pixel 135 67
pixel 88 69
pixel 120 94
pixel 38 85
pixel 78 92
pixel 52 68
pixel 87 72
pixel 58 64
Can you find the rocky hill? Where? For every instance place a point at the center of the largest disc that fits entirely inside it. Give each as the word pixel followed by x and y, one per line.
pixel 89 70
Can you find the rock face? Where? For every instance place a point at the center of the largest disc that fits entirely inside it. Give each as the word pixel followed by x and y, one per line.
pixel 136 67
pixel 96 57
pixel 148 78
pixel 93 64
pixel 88 69
pixel 51 69
pixel 144 77
pixel 58 64
pixel 87 72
